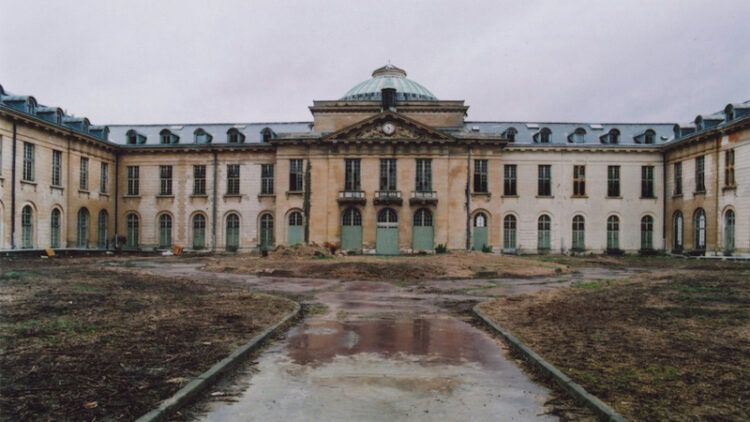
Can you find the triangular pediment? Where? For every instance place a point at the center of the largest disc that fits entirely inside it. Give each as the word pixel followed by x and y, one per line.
pixel 388 126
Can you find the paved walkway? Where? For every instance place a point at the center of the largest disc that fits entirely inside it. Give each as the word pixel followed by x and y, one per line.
pixel 379 353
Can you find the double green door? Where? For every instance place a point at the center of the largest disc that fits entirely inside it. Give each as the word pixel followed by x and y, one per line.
pixel 386 241
pixel 351 238
pixel 422 238
pixel 479 238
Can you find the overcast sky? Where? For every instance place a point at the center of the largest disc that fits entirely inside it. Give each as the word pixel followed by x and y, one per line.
pixel 259 61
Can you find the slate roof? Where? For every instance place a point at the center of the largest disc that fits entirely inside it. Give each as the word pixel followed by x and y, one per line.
pixel 252 131
pixel 559 132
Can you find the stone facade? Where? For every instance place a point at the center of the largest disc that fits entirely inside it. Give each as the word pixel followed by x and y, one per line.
pixel 378 172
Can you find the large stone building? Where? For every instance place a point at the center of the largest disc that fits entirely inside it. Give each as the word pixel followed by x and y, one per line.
pixel 387 168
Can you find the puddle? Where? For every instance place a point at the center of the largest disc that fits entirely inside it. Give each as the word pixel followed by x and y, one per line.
pixel 435 341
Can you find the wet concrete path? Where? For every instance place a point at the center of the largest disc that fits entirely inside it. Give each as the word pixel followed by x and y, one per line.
pixel 380 352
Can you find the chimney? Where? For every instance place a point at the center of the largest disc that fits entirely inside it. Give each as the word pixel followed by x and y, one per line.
pixel 388 96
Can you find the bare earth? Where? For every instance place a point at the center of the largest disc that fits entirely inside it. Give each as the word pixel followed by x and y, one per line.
pixel 670 344
pixel 296 262
pixel 81 343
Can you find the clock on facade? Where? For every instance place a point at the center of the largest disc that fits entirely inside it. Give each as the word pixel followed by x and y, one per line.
pixel 389 128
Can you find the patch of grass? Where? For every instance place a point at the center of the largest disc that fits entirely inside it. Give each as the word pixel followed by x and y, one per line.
pixel 589 284
pixel 11 275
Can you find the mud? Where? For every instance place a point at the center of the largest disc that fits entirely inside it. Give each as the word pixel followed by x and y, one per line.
pixel 380 351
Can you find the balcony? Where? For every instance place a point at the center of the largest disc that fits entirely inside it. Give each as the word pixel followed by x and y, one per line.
pixel 388 197
pixel 352 197
pixel 426 197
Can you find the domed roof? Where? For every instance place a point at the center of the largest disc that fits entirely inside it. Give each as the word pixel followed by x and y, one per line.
pixel 389 76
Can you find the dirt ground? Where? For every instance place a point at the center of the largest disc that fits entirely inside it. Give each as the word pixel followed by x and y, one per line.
pixel 670 344
pixel 81 343
pixel 304 262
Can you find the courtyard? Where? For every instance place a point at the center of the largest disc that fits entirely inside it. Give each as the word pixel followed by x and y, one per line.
pixel 378 339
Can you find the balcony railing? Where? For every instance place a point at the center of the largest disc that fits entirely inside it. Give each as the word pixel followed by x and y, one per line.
pixel 352 197
pixel 423 197
pixel 388 197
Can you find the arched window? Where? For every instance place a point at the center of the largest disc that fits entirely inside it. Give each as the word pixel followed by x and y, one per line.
pixel 613 137
pixel 578 137
pixel 579 233
pixel 54 226
pixel 647 233
pixel 613 232
pixel 132 137
pixel 132 231
pixel 295 218
pixel 699 229
pixel 234 136
pixel 352 217
pixel 199 231
pixel 544 231
pixel 166 137
pixel 266 231
pixel 480 220
pixel 509 232
pixel 544 135
pixel 266 134
pixel 649 136
pixel 729 231
pixel 165 231
pixel 387 216
pixel 511 133
pixel 101 233
pixel 233 230
pixel 83 228
pixel 677 231
pixel 27 227
pixel 423 218
pixel 202 137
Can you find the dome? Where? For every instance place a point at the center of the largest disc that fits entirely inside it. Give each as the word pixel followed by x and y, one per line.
pixel 389 76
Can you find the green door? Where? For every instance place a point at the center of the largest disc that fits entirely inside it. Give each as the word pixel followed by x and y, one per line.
pixel 479 234
pixel 266 232
pixel 386 237
pixel 296 233
pixel 351 230
pixel 387 240
pixel 422 231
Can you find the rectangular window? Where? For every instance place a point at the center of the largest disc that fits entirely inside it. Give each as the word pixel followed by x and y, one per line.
pixel 388 174
pixel 352 181
pixel 509 180
pixel 647 181
pixel 729 168
pixel 165 177
pixel 233 179
pixel 480 176
pixel 700 173
pixel 84 179
pixel 133 180
pixel 104 178
pixel 545 180
pixel 28 162
pixel 579 180
pixel 199 180
pixel 56 168
pixel 423 182
pixel 613 181
pixel 266 179
pixel 295 176
pixel 678 178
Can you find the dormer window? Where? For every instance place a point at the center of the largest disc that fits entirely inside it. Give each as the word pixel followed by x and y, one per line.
pixel 267 134
pixel 166 137
pixel 202 137
pixel 578 137
pixel 728 113
pixel 613 137
pixel 134 138
pixel 649 136
pixel 234 136
pixel 543 136
pixel 510 133
pixel 31 106
pixel 699 123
